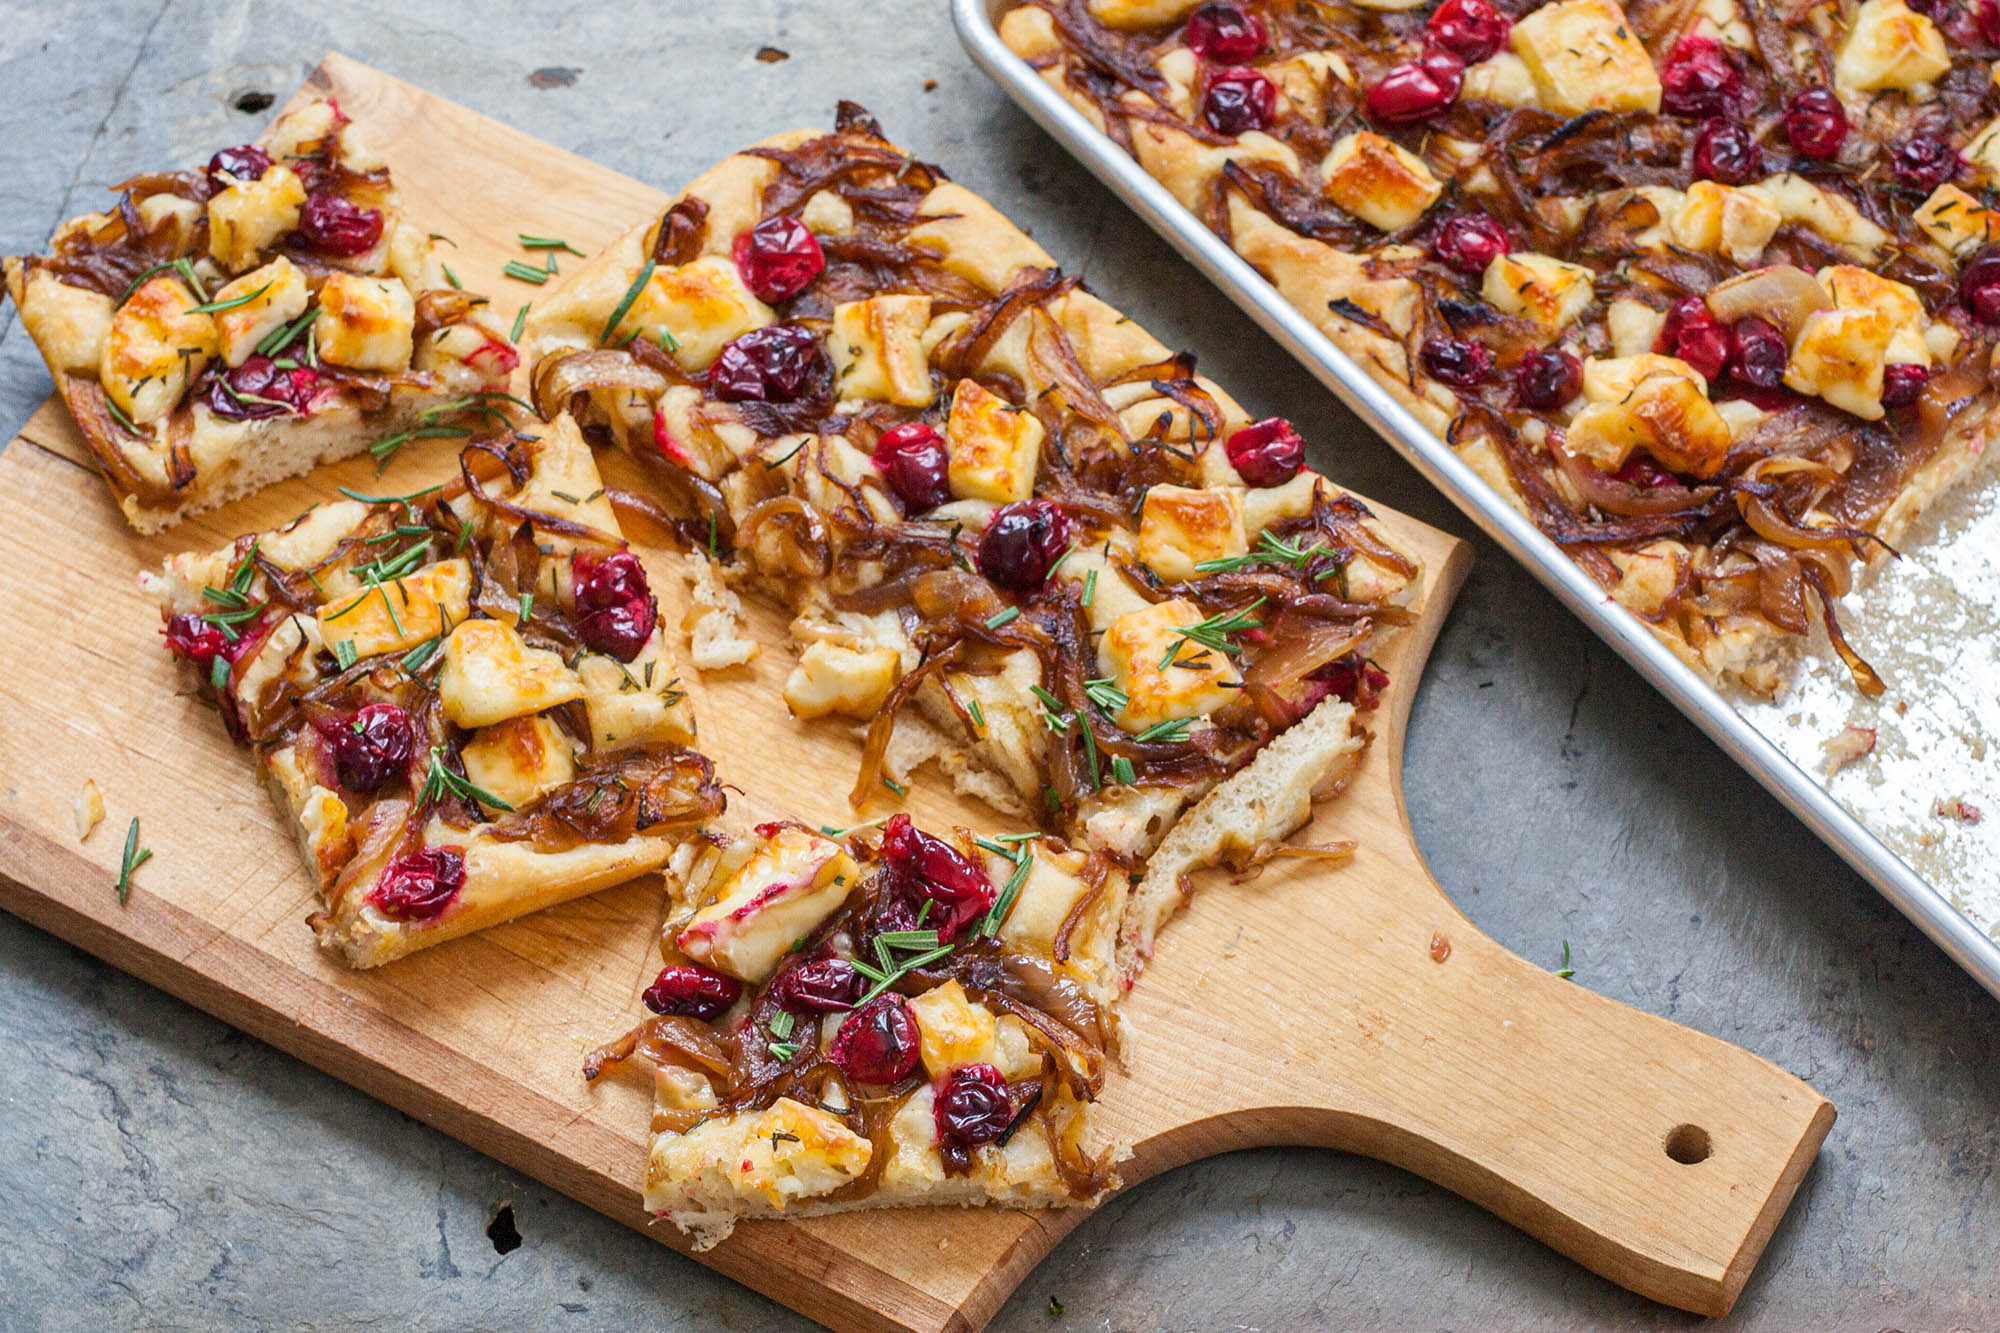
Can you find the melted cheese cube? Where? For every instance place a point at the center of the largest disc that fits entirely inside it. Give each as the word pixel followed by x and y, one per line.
pixel 954 1031
pixel 698 306
pixel 273 296
pixel 1179 528
pixel 1656 403
pixel 1584 57
pixel 877 349
pixel 779 896
pixel 365 323
pixel 1045 900
pixel 392 617
pixel 155 346
pixel 1840 355
pixel 1131 15
pixel 1379 181
pixel 519 760
pixel 793 1151
pixel 995 448
pixel 1538 287
pixel 834 679
pixel 1983 151
pixel 1956 220
pixel 70 324
pixel 632 703
pixel 1135 652
pixel 1889 47
pixel 489 675
pixel 249 216
pixel 1898 303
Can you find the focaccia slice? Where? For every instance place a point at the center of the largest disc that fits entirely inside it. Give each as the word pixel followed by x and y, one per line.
pixel 226 327
pixel 459 698
pixel 877 1018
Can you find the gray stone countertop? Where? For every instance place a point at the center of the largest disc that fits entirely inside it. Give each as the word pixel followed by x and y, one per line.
pixel 159 1169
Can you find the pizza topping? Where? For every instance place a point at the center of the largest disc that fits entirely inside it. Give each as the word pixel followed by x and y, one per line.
pixel 1547 377
pixel 1470 242
pixel 420 886
pixel 1472 30
pixel 1693 334
pixel 196 640
pixel 245 162
pixel 692 992
pixel 1725 151
pixel 260 388
pixel 958 891
pixel 1022 544
pixel 334 225
pixel 913 460
pixel 1459 362
pixel 1698 80
pixel 972 1107
pixel 1924 162
pixel 777 364
pixel 1816 123
pixel 1904 383
pixel 1239 99
pixel 1266 453
pixel 372 747
pixel 1224 33
pixel 1417 89
pixel 878 1043
pixel 1979 285
pixel 778 258
pixel 819 985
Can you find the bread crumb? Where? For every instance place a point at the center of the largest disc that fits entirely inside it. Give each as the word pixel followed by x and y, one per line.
pixel 717 635
pixel 89 809
pixel 1848 745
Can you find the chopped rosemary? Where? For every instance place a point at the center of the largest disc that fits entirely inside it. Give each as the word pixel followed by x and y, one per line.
pixel 1090 750
pixel 217 307
pixel 124 422
pixel 1002 618
pixel 1270 550
pixel 996 915
pixel 390 499
pixel 1566 971
pixel 345 653
pixel 528 608
pixel 452 278
pixel 1121 770
pixel 218 672
pixel 419 657
pixel 520 322
pixel 440 779
pixel 895 786
pixel 1173 730
pixel 520 272
pixel 784 1050
pixel 889 976
pixel 1104 692
pixel 978 718
pixel 1089 587
pixel 624 305
pixel 135 856
pixel 283 334
pixel 549 243
pixel 781 1024
pixel 1213 632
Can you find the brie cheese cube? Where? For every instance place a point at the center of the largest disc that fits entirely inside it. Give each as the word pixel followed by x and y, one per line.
pixel 834 679
pixel 796 880
pixel 365 323
pixel 954 1031
pixel 1656 403
pixel 878 349
pixel 1898 303
pixel 1584 57
pixel 396 616
pixel 1131 15
pixel 1799 200
pixel 1956 220
pixel 995 448
pixel 1889 47
pixel 1983 152
pixel 249 216
pixel 519 760
pixel 631 703
pixel 1738 223
pixel 1379 181
pixel 70 323
pixel 276 296
pixel 155 346
pixel 1195 681
pixel 793 1151
pixel 698 306
pixel 1504 79
pixel 1538 287
pixel 1840 355
pixel 1180 528
pixel 1046 898
pixel 489 675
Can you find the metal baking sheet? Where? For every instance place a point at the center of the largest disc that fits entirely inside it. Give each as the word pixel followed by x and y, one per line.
pixel 1932 617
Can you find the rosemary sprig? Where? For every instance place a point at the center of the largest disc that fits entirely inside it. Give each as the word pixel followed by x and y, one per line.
pixel 135 856
pixel 440 780
pixel 996 915
pixel 217 307
pixel 284 333
pixel 1270 550
pixel 618 312
pixel 1104 692
pixel 1213 632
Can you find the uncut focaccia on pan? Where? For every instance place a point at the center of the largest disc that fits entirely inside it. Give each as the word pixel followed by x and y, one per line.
pixel 1022 537
pixel 460 698
pixel 224 328
pixel 1706 290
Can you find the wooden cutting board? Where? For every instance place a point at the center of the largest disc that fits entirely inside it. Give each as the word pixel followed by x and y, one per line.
pixel 1351 1007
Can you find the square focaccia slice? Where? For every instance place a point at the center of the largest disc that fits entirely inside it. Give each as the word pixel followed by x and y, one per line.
pixel 460 698
pixel 222 328
pixel 1022 537
pixel 877 1018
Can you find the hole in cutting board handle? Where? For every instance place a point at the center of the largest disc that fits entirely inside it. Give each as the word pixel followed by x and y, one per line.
pixel 1687 1144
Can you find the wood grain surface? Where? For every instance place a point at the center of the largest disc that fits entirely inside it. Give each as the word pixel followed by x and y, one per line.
pixel 1302 1005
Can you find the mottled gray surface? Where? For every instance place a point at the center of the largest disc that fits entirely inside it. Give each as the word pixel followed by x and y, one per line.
pixel 158 1168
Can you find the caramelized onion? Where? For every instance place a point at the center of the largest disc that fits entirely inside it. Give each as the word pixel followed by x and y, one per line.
pixel 1782 294
pixel 560 378
pixel 1620 497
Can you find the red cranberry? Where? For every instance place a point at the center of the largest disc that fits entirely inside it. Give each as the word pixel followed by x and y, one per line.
pixel 1757 352
pixel 1267 452
pixel 421 885
pixel 1239 99
pixel 1458 362
pixel 1979 284
pixel 195 640
pixel 1546 378
pixel 616 611
pixel 371 747
pixel 1696 336
pixel 1472 30
pixel 778 258
pixel 1643 472
pixel 972 1106
pixel 692 992
pixel 1816 123
pixel 619 631
pixel 258 389
pixel 1355 679
pixel 777 364
pixel 1724 151
pixel 1904 383
pixel 1468 242
pixel 1022 544
pixel 245 162
pixel 1986 17
pixel 612 581
pixel 332 225
pixel 914 462
pixel 1224 33
pixel 823 985
pixel 1923 162
pixel 1417 89
pixel 1698 80
pixel 877 1043
pixel 958 889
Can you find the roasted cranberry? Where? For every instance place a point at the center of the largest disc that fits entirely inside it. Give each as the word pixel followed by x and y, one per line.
pixel 1238 100
pixel 421 885
pixel 1472 30
pixel 371 747
pixel 1417 89
pixel 1022 544
pixel 1816 123
pixel 1724 151
pixel 1758 352
pixel 618 631
pixel 1904 383
pixel 260 388
pixel 914 463
pixel 1979 284
pixel 245 162
pixel 1469 242
pixel 1923 162
pixel 972 1106
pixel 612 581
pixel 823 985
pixel 1458 362
pixel 195 640
pixel 877 1043
pixel 1697 79
pixel 692 992
pixel 1355 679
pixel 776 364
pixel 778 258
pixel 1696 336
pixel 1643 472
pixel 1224 33
pixel 332 225
pixel 1986 17
pixel 1546 378
pixel 1267 452
pixel 959 890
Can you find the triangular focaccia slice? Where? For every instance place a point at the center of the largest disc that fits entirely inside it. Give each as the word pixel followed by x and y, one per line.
pixel 1120 607
pixel 224 328
pixel 877 1018
pixel 459 698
